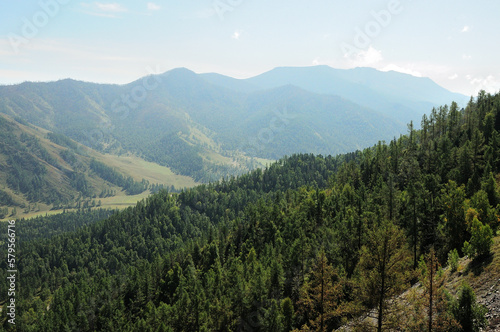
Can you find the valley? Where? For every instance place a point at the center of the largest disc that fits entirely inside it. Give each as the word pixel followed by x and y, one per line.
pixel 36 146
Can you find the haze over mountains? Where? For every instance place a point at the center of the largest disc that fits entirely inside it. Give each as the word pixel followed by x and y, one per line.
pixel 206 125
pixel 400 96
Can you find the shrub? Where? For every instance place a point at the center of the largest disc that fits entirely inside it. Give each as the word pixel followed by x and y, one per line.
pixel 453 260
pixel 470 314
pixel 481 239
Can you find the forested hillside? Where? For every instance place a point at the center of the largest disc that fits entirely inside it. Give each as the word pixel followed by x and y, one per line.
pixel 41 170
pixel 120 119
pixel 309 243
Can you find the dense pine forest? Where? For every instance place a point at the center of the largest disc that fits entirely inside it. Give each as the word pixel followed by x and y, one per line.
pixel 311 243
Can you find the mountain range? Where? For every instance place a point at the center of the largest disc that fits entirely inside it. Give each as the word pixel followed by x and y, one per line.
pixel 402 97
pixel 208 125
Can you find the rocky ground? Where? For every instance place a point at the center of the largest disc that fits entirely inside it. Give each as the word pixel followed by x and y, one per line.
pixel 490 297
pixel 484 277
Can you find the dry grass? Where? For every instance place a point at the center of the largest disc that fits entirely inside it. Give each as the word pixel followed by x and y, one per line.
pixel 140 169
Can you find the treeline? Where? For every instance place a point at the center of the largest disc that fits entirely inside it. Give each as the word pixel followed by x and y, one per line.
pixel 34 173
pixel 33 145
pixel 183 158
pixel 6 199
pixel 310 243
pixel 26 173
pixel 4 212
pixel 43 228
pixel 157 187
pixel 111 175
pixel 62 140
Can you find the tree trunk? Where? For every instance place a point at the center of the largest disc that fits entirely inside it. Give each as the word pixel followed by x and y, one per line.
pixel 381 305
pixel 322 290
pixel 415 233
pixel 382 290
pixel 431 279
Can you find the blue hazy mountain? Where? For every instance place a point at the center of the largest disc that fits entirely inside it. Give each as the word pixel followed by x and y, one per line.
pixel 400 96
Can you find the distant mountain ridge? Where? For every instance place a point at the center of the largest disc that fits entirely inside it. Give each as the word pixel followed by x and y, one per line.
pixel 402 97
pixel 207 125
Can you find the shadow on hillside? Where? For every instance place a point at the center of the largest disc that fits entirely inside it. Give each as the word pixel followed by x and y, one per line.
pixel 479 263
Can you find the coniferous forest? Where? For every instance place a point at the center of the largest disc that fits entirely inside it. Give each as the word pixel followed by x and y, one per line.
pixel 310 243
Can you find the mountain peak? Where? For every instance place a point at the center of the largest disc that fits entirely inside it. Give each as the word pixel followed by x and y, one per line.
pixel 181 71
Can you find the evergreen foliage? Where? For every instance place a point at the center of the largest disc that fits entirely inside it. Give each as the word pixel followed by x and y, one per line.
pixel 307 243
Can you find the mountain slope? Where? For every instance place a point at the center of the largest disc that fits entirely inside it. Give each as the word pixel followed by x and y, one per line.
pixel 129 118
pixel 41 171
pixel 288 120
pixel 230 83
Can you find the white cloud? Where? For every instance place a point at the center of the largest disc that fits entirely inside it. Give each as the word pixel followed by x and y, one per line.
pixel 153 6
pixel 404 70
pixel 315 62
pixel 99 14
pixel 236 35
pixel 17 76
pixel 68 49
pixel 365 58
pixel 466 28
pixel 103 9
pixel 6 48
pixel 466 56
pixel 65 58
pixel 453 77
pixel 489 84
pixel 110 7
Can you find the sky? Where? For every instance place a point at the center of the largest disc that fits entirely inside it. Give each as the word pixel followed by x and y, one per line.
pixel 455 43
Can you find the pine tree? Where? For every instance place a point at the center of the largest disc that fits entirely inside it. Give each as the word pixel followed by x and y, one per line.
pixel 432 279
pixel 320 295
pixel 288 313
pixel 469 314
pixel 454 230
pixel 481 239
pixel 384 269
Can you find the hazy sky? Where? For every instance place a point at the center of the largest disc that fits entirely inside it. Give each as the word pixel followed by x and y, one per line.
pixel 455 43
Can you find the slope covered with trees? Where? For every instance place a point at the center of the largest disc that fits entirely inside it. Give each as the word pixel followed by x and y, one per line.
pixel 41 170
pixel 309 243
